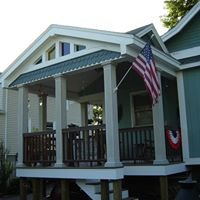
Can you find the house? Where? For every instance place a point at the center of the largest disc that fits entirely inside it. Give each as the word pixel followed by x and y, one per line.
pixel 84 66
pixel 9 115
pixel 183 42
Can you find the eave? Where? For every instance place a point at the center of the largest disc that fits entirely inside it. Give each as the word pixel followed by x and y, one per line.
pixel 183 22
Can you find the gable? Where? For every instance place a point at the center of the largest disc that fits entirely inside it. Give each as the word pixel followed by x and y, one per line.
pixel 149 34
pixel 92 39
pixel 188 37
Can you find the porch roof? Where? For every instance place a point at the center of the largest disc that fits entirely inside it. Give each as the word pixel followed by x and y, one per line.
pixel 74 64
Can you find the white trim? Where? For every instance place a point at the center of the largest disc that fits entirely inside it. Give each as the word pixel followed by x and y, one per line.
pixel 6 118
pixel 183 22
pixel 149 28
pixel 102 173
pixel 158 170
pixel 70 173
pixel 102 36
pixel 55 30
pixel 159 54
pixel 191 65
pixel 131 96
pixel 183 115
pixel 64 58
pixel 186 53
pixel 193 161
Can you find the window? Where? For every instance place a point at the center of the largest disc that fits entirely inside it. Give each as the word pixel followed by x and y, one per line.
pixel 142 109
pixel 51 54
pixel 65 48
pixel 38 61
pixel 79 47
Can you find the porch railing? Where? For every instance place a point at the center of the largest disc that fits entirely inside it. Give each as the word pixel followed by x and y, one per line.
pixel 137 144
pixel 84 145
pixel 39 147
pixel 173 150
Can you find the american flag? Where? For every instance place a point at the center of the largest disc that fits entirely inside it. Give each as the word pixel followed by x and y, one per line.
pixel 145 66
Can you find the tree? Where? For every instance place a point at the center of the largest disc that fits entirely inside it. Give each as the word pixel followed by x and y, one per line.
pixel 6 168
pixel 176 10
pixel 97 114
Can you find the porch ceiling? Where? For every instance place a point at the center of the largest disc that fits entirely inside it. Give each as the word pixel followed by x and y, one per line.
pixel 67 66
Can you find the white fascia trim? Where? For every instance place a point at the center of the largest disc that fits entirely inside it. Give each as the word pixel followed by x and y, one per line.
pixel 151 27
pixel 65 58
pixel 92 34
pixel 53 30
pixel 190 65
pixel 154 170
pixel 27 52
pixel 193 161
pixel 183 115
pixel 175 65
pixel 70 173
pixel 186 53
pixel 145 30
pixel 182 23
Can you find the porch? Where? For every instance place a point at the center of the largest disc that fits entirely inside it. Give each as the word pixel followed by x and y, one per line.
pixel 86 147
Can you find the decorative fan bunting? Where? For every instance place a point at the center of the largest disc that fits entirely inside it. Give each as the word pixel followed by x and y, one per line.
pixel 174 138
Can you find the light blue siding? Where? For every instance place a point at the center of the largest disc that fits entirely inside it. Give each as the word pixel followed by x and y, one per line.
pixel 192 97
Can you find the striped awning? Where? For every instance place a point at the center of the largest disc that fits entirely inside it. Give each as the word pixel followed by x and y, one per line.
pixel 74 64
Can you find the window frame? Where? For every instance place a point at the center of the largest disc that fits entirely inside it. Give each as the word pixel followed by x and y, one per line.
pixel 61 48
pixel 49 51
pixel 133 111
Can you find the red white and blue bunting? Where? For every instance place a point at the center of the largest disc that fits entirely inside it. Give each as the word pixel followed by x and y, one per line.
pixel 174 138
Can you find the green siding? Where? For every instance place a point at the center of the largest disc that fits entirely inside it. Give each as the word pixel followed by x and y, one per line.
pixel 187 38
pixel 192 97
pixel 170 103
pixel 132 83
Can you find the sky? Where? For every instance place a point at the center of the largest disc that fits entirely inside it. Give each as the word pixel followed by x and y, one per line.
pixel 22 21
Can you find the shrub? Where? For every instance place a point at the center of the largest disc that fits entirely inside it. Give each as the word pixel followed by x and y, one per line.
pixel 6 168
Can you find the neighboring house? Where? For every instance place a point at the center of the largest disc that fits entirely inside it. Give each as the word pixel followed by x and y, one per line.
pixel 85 65
pixel 183 42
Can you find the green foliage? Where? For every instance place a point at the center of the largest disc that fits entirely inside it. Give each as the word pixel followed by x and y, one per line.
pixel 176 10
pixel 6 168
pixel 13 187
pixel 97 114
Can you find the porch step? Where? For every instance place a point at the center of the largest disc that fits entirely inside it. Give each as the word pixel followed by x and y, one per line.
pixel 93 189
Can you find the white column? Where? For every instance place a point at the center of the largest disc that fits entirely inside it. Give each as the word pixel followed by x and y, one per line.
pixel 22 121
pixel 84 114
pixel 159 130
pixel 60 103
pixel 43 111
pixel 183 116
pixel 111 117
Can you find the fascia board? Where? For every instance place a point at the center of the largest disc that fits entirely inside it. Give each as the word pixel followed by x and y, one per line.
pixel 182 23
pixel 186 53
pixel 152 28
pixel 53 30
pixel 175 65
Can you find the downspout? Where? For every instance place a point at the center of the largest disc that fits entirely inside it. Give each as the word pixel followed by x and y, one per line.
pixel 6 117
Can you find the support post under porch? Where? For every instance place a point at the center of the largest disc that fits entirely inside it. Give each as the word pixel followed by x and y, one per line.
pixel 164 188
pixel 65 190
pixel 37 188
pixel 23 190
pixel 104 190
pixel 117 189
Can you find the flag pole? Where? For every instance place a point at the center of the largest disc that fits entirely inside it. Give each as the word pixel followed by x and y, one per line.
pixel 122 79
pixel 116 88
